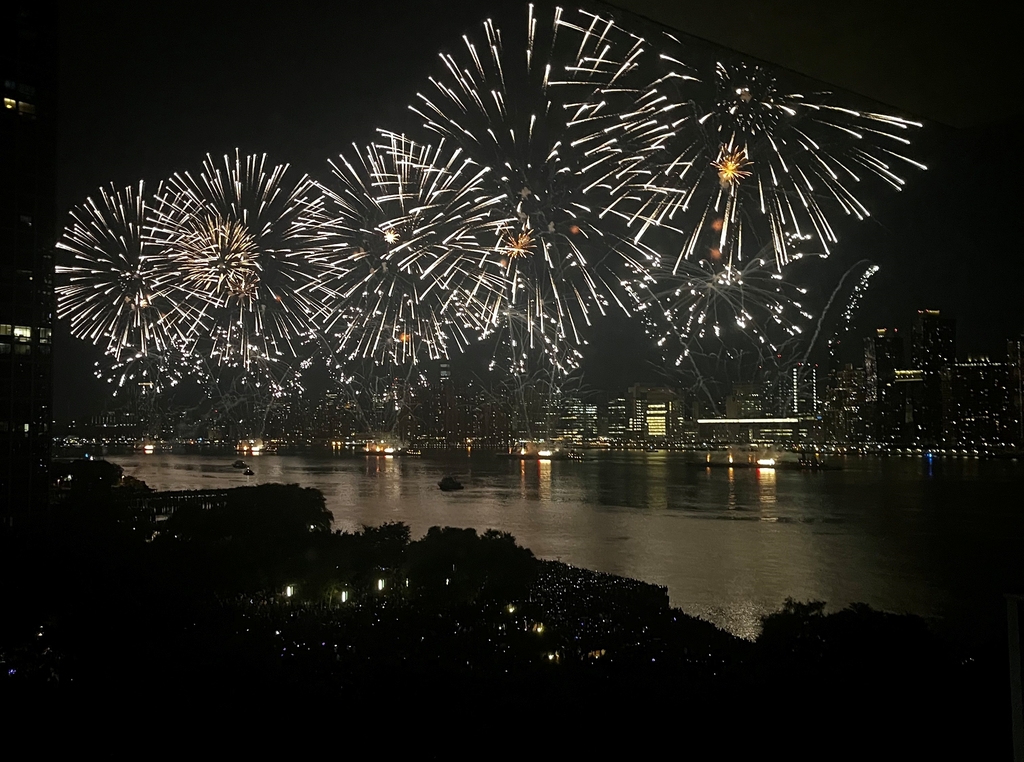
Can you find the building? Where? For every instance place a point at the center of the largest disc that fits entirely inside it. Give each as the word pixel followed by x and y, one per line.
pixel 1015 357
pixel 578 420
pixel 932 350
pixel 793 431
pixel 845 410
pixel 800 397
pixel 27 239
pixel 883 356
pixel 745 401
pixel 978 405
pixel 616 420
pixel 655 413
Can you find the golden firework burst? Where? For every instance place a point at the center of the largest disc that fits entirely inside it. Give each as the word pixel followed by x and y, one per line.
pixel 519 244
pixel 391 235
pixel 732 165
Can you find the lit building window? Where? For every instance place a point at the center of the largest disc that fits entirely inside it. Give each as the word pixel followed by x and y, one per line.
pixel 44 335
pixel 23 333
pixel 10 103
pixel 27 109
pixel 5 329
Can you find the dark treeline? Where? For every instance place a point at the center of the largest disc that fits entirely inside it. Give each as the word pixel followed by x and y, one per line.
pixel 257 603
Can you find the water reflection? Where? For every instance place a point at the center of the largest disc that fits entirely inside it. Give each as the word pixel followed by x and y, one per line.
pixel 766 486
pixel 891 532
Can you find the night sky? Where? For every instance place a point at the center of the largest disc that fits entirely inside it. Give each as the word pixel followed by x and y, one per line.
pixel 149 89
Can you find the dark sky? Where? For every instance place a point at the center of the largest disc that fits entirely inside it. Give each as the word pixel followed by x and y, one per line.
pixel 940 61
pixel 149 89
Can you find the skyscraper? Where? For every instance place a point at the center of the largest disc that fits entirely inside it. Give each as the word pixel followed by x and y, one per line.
pixel 845 417
pixel 883 356
pixel 1015 358
pixel 977 396
pixel 27 237
pixel 932 349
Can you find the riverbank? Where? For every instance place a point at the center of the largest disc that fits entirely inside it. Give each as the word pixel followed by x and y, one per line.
pixel 259 603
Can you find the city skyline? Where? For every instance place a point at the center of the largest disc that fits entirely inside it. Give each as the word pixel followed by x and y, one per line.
pixel 914 393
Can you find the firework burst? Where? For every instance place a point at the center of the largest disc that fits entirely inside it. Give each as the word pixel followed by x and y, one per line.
pixel 244 243
pixel 526 107
pixel 411 226
pixel 112 293
pixel 733 142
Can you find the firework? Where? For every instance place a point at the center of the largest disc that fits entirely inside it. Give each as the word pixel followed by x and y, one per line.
pixel 244 244
pixel 527 108
pixel 709 300
pixel 733 143
pixel 113 293
pixel 410 226
pixel 717 322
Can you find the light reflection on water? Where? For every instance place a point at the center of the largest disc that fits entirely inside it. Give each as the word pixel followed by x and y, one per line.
pixel 937 538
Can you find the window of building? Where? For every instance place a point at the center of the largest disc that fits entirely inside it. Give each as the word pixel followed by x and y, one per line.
pixel 5 329
pixel 10 103
pixel 26 109
pixel 22 349
pixel 23 332
pixel 44 335
pixel 5 349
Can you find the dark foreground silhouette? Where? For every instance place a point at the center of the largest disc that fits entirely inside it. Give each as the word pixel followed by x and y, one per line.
pixel 255 604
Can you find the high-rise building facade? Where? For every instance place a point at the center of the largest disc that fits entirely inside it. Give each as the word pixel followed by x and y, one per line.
pixel 800 391
pixel 617 417
pixel 1015 358
pixel 27 238
pixel 846 419
pixel 932 350
pixel 655 412
pixel 978 403
pixel 883 356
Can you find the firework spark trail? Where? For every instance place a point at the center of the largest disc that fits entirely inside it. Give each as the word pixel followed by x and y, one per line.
pixel 245 244
pixel 410 225
pixel 857 293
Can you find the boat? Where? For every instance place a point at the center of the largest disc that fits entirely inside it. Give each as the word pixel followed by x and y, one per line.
pixel 414 452
pixel 449 484
pixel 239 464
pixel 249 472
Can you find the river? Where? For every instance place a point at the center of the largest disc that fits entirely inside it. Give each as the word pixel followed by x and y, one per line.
pixel 941 538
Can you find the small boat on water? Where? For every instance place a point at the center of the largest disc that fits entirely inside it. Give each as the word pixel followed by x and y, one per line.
pixel 414 452
pixel 450 484
pixel 249 472
pixel 239 464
